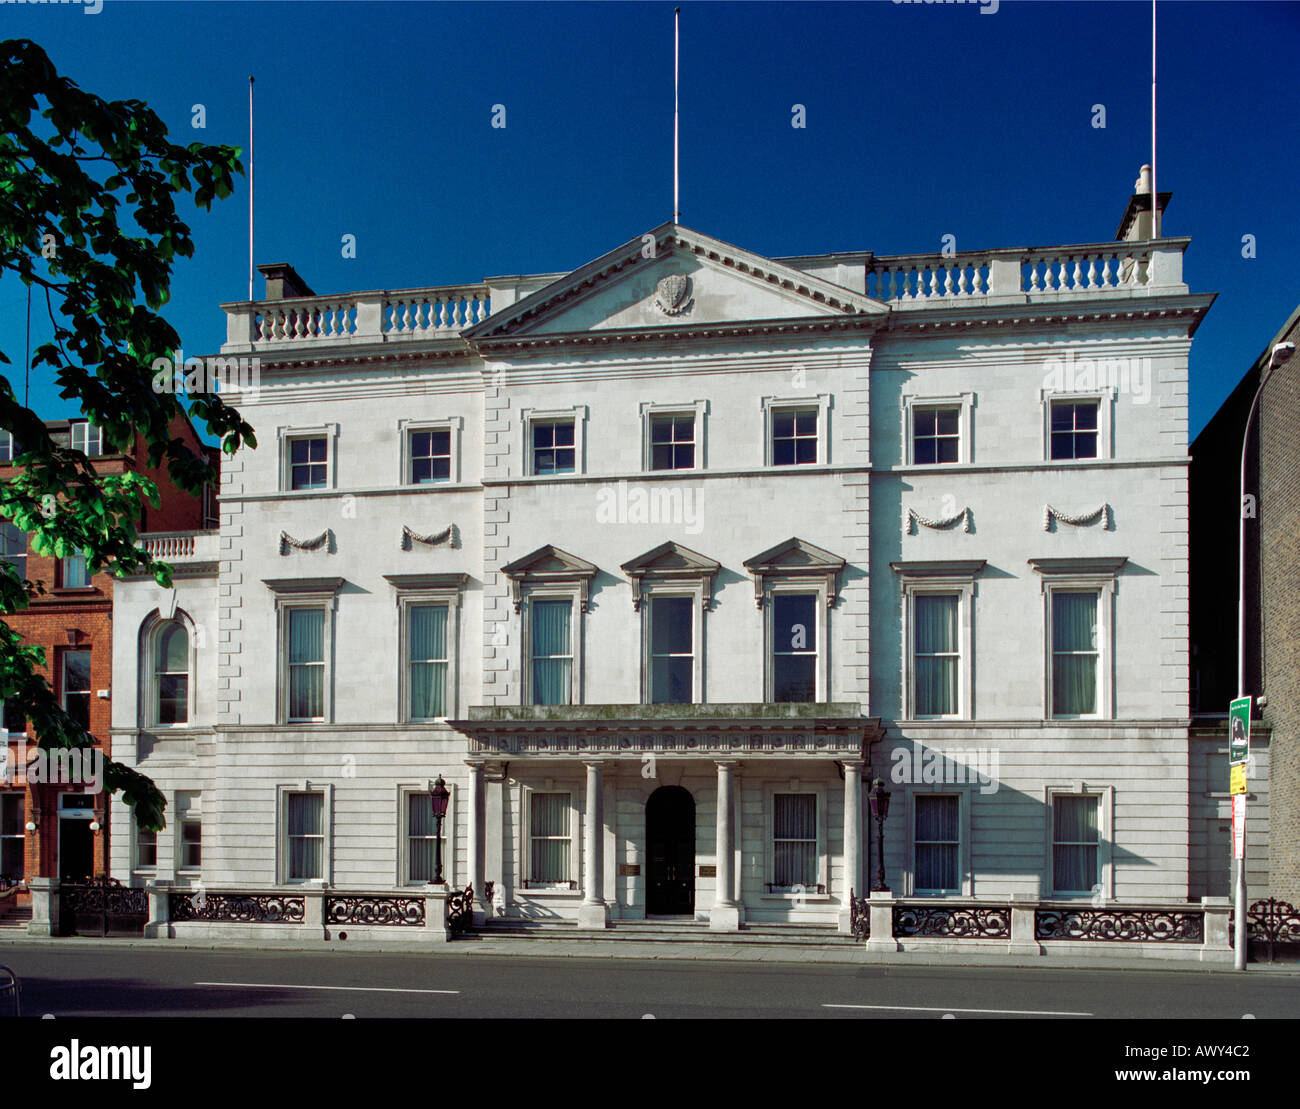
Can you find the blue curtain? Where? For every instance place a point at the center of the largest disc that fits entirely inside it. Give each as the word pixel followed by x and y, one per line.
pixel 552 653
pixel 1075 824
pixel 1074 654
pixel 936 654
pixel 936 843
pixel 306 835
pixel 427 643
pixel 306 663
pixel 549 836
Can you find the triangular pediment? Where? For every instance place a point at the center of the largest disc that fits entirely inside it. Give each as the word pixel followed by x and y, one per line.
pixel 549 561
pixel 674 278
pixel 671 557
pixel 794 554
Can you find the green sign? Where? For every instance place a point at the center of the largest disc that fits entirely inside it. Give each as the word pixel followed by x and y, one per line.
pixel 1239 730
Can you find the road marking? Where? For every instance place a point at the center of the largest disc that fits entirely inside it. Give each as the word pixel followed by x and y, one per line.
pixel 284 986
pixel 947 1009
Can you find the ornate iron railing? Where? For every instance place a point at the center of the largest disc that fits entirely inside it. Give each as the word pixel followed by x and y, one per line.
pixel 1269 922
pixel 241 908
pixel 1132 925
pixel 460 911
pixel 953 921
pixel 859 917
pixel 102 907
pixel 399 912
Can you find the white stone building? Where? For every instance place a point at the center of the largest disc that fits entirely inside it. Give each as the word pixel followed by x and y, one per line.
pixel 660 562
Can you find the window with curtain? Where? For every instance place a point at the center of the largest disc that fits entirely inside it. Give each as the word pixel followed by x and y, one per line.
pixel 937 842
pixel 87 438
pixel 10 448
pixel 794 839
pixel 936 654
pixel 76 686
pixel 13 547
pixel 12 835
pixel 794 647
pixel 426 645
pixel 12 719
pixel 146 848
pixel 420 837
pixel 1075 833
pixel 672 654
pixel 306 663
pixel 74 572
pixel 172 674
pixel 306 818
pixel 549 843
pixel 936 435
pixel 430 456
pixel 552 650
pixel 1074 653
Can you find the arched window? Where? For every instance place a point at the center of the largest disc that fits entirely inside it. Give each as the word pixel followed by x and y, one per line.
pixel 171 668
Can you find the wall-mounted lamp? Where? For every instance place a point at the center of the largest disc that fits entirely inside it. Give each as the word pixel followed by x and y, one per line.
pixel 94 825
pixel 31 825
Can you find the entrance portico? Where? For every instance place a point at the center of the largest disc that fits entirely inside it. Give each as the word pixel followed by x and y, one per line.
pixel 718 813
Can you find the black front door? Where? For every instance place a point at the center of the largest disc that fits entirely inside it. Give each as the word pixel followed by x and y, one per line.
pixel 670 850
pixel 76 850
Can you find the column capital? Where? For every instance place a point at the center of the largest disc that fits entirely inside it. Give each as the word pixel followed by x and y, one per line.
pixel 594 762
pixel 727 764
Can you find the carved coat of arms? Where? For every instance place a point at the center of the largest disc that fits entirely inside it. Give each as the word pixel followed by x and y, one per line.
pixel 673 294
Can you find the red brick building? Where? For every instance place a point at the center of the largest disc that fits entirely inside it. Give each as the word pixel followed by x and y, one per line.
pixel 61 830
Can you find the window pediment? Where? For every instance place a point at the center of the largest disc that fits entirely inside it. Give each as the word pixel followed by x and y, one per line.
pixel 547 566
pixel 795 559
pixel 671 562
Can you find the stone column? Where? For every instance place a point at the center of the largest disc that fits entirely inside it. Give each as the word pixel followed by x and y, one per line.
pixel 158 926
pixel 594 911
pixel 725 915
pixel 852 842
pixel 474 837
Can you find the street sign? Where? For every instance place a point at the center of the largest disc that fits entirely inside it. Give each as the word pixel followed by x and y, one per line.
pixel 1239 826
pixel 1237 779
pixel 1239 730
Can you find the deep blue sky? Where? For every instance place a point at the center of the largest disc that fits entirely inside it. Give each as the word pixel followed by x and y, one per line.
pixel 374 119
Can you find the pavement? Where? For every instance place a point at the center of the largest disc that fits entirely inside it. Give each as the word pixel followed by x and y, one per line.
pixel 748 951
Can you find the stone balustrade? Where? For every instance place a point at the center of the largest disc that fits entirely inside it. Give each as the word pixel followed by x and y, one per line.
pixel 170 546
pixel 442 311
pixel 1019 275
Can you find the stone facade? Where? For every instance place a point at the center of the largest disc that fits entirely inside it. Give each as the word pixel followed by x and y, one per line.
pixel 681 770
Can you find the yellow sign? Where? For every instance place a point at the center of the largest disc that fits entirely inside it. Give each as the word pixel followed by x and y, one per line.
pixel 1237 780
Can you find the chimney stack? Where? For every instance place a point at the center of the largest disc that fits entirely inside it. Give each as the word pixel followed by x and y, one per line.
pixel 283 282
pixel 1136 224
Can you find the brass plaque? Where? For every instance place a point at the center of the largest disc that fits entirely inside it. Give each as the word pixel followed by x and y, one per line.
pixel 708 871
pixel 629 870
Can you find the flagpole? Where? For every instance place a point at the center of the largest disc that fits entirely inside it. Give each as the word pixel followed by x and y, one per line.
pixel 677 16
pixel 1155 196
pixel 250 188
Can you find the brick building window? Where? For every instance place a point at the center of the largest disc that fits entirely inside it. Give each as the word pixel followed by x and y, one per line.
pixel 76 686
pixel 12 824
pixel 13 547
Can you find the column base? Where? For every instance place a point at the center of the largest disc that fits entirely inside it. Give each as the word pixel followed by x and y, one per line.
pixel 1024 949
pixel 593 916
pixel 724 918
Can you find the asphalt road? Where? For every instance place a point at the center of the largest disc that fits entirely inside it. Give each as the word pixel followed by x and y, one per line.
pixel 99 982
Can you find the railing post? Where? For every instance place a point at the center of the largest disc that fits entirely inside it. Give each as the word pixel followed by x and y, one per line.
pixel 239 325
pixel 882 922
pixel 313 910
pixel 45 907
pixel 1165 269
pixel 435 916
pixel 1216 938
pixel 158 926
pixel 370 316
pixel 1004 278
pixel 1023 940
